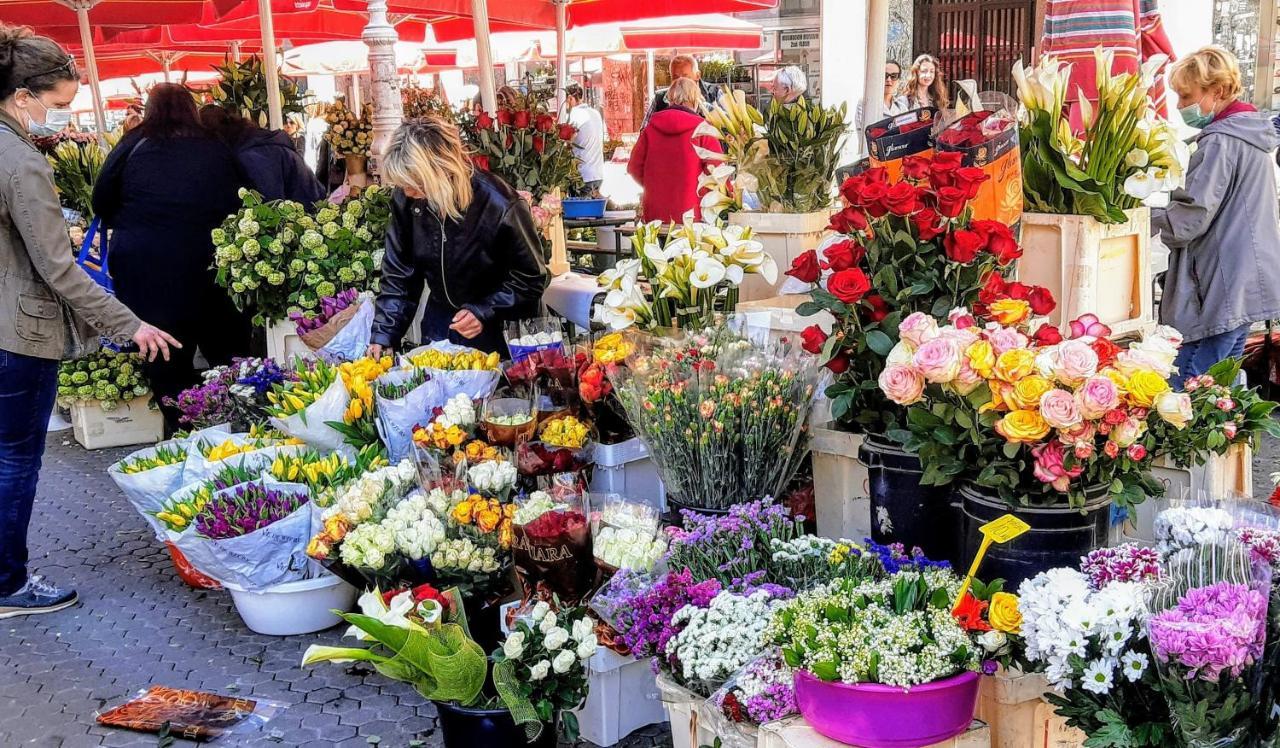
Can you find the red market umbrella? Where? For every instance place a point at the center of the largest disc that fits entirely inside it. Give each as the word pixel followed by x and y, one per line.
pixel 46 14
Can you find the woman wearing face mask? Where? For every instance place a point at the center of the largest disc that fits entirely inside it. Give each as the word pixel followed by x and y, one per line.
pixel 924 86
pixel 461 232
pixel 1222 227
pixel 45 300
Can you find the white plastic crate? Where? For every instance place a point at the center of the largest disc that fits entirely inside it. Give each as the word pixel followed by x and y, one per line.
pixel 681 706
pixel 778 314
pixel 130 424
pixel 626 469
pixel 623 697
pixel 841 486
pixel 283 343
pixel 794 732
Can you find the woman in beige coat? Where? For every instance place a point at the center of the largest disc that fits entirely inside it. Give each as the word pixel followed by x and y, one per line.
pixel 45 300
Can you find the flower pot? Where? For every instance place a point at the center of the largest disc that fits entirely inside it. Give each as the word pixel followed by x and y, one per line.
pixel 293 607
pixel 872 715
pixel 1059 535
pixel 902 510
pixel 465 727
pixel 188 573
pixel 785 237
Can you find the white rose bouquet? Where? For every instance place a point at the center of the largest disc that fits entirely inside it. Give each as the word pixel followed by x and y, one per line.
pixel 494 479
pixel 544 662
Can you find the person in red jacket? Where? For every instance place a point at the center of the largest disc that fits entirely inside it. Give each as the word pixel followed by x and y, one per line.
pixel 664 160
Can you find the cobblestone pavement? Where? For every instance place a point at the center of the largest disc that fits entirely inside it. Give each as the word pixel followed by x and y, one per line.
pixel 138 625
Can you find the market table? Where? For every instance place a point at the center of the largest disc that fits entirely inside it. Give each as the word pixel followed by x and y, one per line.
pixel 585 248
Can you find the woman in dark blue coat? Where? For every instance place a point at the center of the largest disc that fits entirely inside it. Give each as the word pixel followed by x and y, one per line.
pixel 267 158
pixel 163 189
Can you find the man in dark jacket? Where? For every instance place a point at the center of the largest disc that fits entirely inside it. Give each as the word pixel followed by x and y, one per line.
pixel 682 66
pixel 268 160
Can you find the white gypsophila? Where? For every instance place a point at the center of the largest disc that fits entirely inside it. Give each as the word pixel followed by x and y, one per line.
pixel 492 478
pixel 716 641
pixel 1190 526
pixel 628 549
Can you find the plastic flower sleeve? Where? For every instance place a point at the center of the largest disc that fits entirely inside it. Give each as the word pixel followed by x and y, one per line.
pixel 398 416
pixel 529 336
pixel 1207 631
pixel 148 490
pixel 612 602
pixel 477 384
pixel 311 425
pixel 625 535
pixel 552 543
pixel 351 339
pixel 762 691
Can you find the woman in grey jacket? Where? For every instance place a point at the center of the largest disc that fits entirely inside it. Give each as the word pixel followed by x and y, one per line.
pixel 45 299
pixel 1222 228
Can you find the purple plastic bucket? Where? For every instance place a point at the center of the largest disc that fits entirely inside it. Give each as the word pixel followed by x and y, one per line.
pixel 871 715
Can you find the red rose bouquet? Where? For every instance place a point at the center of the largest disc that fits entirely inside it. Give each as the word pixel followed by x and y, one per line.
pixel 552 545
pixel 525 146
pixel 900 248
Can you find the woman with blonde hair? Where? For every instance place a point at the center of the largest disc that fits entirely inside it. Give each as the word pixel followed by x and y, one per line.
pixel 925 86
pixel 462 233
pixel 1222 228
pixel 665 160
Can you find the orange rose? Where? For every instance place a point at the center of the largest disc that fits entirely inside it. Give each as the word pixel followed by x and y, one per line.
pixel 1009 311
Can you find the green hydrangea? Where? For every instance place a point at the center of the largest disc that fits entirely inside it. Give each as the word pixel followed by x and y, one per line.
pixel 297 266
pixel 79 377
pixel 326 288
pixel 311 239
pixel 276 279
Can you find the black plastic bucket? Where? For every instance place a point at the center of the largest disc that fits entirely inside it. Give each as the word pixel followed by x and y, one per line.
pixel 463 727
pixel 902 510
pixel 1059 536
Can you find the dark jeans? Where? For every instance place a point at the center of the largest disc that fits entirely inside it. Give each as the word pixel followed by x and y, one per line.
pixel 28 387
pixel 1198 356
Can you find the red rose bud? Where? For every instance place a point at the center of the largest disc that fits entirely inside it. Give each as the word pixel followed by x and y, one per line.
pixel 1106 350
pixel 1048 335
pixel 805 268
pixel 879 307
pixel 505 116
pixel 843 254
pixel 1115 417
pixel 851 220
pixel 1137 452
pixel 970 179
pixel 1016 290
pixel 539 144
pixel 545 123
pixel 849 285
pixel 484 121
pixel 567 131
pixel 1041 301
pixel 915 168
pixel 521 119
pixel 812 338
pixel 951 201
pixel 993 288
pixel 901 199
pixel 850 188
pixel 481 162
pixel 1000 241
pixel 929 224
pixel 839 364
pixel 963 246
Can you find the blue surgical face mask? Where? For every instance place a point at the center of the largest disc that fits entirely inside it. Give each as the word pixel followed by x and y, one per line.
pixel 55 120
pixel 1192 115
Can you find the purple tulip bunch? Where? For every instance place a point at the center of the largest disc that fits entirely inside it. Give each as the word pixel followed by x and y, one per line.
pixel 329 308
pixel 246 508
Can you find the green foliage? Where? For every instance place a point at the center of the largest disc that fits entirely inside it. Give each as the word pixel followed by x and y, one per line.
pixel 804 150
pixel 525 145
pixel 76 166
pixel 242 88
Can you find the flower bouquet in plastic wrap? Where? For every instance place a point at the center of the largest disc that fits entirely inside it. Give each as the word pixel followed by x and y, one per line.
pixel 724 418
pixel 1208 631
pixel 339 330
pixel 762 691
pixel 367 502
pixel 596 395
pixel 539 335
pixel 552 542
pixel 234 395
pixel 562 444
pixel 626 535
pixel 458 369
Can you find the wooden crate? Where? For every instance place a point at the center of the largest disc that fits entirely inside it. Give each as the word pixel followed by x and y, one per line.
pixel 1052 730
pixel 785 237
pixel 841 487
pixel 130 424
pixel 1011 703
pixel 794 732
pixel 682 706
pixel 283 343
pixel 1091 267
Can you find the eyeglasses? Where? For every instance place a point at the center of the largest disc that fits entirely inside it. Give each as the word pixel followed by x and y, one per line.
pixel 892 76
pixel 68 66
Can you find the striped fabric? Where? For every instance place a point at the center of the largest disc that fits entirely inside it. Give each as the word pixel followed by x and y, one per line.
pixel 1131 28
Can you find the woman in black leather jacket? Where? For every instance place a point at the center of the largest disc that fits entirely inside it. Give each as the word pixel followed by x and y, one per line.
pixel 462 232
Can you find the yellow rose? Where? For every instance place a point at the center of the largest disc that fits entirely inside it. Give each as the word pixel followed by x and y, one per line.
pixel 1026 393
pixel 981 358
pixel 1009 311
pixel 1120 380
pixel 488 519
pixel 1014 364
pixel 1144 386
pixel 1025 426
pixel 462 513
pixel 1004 614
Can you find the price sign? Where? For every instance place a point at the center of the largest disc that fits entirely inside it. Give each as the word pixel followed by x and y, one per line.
pixel 1000 530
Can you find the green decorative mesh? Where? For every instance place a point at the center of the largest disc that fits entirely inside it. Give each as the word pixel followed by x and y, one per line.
pixel 522 711
pixel 456 663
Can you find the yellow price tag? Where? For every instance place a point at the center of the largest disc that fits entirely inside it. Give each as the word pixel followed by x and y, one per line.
pixel 999 530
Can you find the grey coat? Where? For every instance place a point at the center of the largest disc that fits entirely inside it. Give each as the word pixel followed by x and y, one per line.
pixel 1223 232
pixel 46 299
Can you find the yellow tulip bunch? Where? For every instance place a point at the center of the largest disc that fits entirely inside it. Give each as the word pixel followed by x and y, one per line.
pixel 228 448
pixel 468 360
pixel 292 397
pixel 358 377
pixel 162 457
pixel 566 431
pixel 177 515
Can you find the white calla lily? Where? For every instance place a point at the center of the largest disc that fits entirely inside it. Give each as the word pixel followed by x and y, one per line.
pixel 706 273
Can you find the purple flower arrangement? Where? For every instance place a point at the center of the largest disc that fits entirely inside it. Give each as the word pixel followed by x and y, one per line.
pixel 762 692
pixel 733 545
pixel 234 394
pixel 644 619
pixel 895 558
pixel 247 508
pixel 1263 545
pixel 1212 630
pixel 1122 563
pixel 330 306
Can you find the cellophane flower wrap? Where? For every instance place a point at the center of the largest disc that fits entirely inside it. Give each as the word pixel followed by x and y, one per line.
pixel 235 394
pixel 626 535
pixel 552 543
pixel 762 691
pixel 898 249
pixel 1037 418
pixel 724 418
pixel 1207 632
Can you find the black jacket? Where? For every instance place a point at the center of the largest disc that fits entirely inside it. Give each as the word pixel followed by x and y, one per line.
pixel 710 94
pixel 490 262
pixel 273 166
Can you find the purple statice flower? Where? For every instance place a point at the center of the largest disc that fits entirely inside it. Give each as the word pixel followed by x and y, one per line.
pixel 895 558
pixel 644 620
pixel 1122 563
pixel 762 692
pixel 1212 630
pixel 732 545
pixel 247 508
pixel 1263 545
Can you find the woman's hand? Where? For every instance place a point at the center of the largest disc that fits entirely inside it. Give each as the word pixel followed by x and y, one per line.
pixel 466 324
pixel 152 341
pixel 376 351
